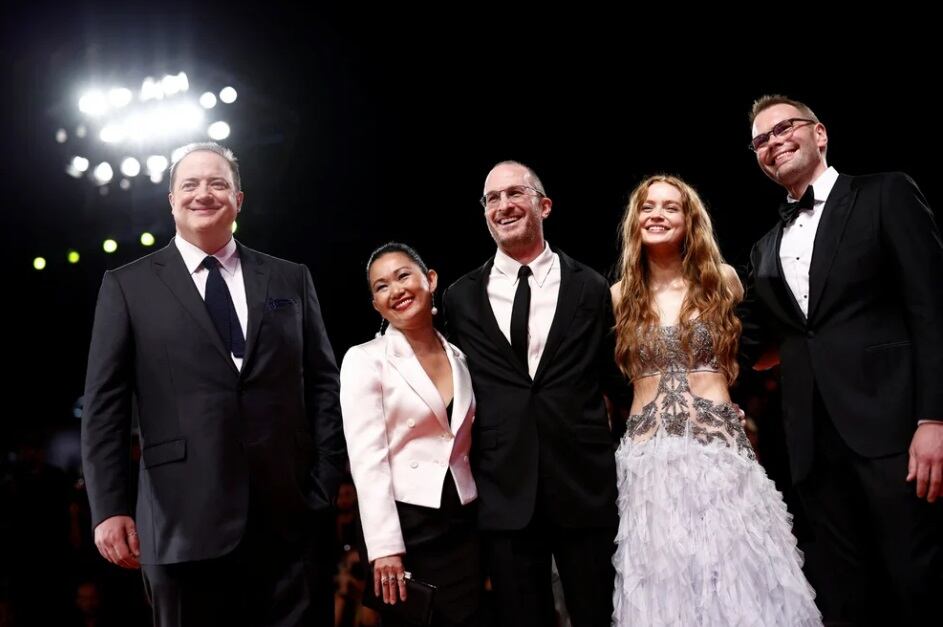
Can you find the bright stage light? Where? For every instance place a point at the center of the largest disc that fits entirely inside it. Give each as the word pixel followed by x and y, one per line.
pixel 218 130
pixel 103 173
pixel 130 167
pixel 228 95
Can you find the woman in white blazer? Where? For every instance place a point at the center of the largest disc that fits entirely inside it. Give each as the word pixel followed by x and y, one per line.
pixel 408 409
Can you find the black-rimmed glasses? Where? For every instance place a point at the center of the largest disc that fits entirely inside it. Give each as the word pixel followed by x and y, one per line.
pixel 785 127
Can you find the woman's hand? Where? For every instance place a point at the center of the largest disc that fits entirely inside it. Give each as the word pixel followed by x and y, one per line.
pixel 389 577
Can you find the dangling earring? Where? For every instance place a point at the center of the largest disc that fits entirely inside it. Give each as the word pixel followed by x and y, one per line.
pixel 383 324
pixel 435 309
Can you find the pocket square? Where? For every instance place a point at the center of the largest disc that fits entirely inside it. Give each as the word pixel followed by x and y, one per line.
pixel 279 303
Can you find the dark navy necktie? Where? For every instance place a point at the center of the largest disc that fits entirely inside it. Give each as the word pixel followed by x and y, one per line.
pixel 789 210
pixel 520 312
pixel 222 311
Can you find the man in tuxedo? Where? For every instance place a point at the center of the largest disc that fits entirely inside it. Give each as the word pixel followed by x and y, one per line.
pixel 220 352
pixel 536 328
pixel 848 286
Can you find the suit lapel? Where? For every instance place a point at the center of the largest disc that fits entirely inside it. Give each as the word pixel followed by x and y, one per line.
pixel 461 387
pixel 489 323
pixel 789 299
pixel 170 268
pixel 827 238
pixel 568 298
pixel 400 354
pixel 770 283
pixel 255 274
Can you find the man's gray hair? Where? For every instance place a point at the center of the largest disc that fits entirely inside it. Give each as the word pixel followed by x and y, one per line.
pixel 222 151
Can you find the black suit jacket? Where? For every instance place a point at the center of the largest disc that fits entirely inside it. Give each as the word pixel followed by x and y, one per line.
pixel 551 433
pixel 873 340
pixel 207 429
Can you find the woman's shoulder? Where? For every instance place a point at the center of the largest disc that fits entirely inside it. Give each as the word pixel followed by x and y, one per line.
pixel 367 351
pixel 615 291
pixel 732 280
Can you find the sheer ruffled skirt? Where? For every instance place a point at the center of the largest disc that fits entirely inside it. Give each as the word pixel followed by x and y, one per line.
pixel 704 539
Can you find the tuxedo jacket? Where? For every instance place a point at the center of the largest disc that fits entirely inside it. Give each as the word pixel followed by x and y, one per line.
pixel 400 440
pixel 872 343
pixel 209 432
pixel 544 441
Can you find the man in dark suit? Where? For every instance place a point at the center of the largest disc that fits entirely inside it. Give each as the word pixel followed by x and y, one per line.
pixel 222 353
pixel 536 328
pixel 848 285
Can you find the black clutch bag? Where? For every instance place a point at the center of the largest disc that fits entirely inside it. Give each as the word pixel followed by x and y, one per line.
pixel 416 609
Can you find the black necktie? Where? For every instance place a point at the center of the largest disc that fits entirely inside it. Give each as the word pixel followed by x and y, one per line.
pixel 222 311
pixel 520 312
pixel 789 210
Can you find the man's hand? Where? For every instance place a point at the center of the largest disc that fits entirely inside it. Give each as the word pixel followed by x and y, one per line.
pixel 117 541
pixel 926 460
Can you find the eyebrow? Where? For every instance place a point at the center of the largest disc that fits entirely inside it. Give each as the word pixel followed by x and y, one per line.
pixel 381 279
pixel 770 131
pixel 211 179
pixel 666 202
pixel 504 189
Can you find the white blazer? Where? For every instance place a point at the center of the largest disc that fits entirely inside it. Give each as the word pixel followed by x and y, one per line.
pixel 398 434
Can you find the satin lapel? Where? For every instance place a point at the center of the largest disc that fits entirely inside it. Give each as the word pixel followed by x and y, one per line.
pixel 170 268
pixel 789 299
pixel 461 386
pixel 402 358
pixel 835 215
pixel 770 282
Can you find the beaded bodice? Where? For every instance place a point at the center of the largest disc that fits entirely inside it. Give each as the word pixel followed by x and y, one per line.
pixel 675 410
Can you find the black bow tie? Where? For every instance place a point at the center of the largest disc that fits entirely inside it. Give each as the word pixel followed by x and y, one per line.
pixel 789 210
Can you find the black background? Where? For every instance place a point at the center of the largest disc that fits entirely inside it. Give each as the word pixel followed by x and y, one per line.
pixel 356 126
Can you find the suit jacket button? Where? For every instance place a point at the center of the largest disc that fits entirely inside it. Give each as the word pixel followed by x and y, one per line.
pixel 810 334
pixel 414 464
pixel 410 423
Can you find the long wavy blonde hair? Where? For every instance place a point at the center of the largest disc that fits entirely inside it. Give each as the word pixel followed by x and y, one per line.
pixel 709 297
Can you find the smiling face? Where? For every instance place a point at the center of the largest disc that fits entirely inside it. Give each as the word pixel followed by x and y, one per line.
pixel 793 158
pixel 516 220
pixel 402 293
pixel 661 217
pixel 204 200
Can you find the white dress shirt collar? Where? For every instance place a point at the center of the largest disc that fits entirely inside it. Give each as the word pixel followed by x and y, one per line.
pixel 193 256
pixel 540 266
pixel 822 186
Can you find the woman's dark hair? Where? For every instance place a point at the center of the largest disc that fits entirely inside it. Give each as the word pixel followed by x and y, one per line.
pixel 393 247
pixel 396 247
